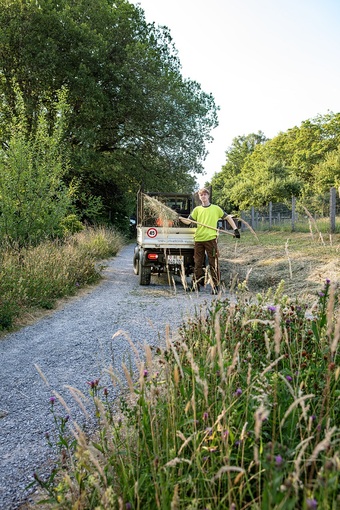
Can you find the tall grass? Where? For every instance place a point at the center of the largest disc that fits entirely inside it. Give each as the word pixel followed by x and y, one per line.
pixel 36 277
pixel 240 410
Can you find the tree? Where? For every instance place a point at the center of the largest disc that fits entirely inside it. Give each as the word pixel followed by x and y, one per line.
pixel 301 161
pixel 236 155
pixel 133 117
pixel 33 198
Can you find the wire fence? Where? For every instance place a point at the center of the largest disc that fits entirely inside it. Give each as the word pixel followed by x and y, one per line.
pixel 295 216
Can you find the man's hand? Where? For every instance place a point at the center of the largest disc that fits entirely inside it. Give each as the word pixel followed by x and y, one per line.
pixel 237 233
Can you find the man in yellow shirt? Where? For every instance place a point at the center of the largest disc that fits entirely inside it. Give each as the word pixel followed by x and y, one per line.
pixel 207 216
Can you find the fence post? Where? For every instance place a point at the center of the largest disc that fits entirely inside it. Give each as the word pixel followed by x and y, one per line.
pixel 332 209
pixel 293 213
pixel 252 216
pixel 270 214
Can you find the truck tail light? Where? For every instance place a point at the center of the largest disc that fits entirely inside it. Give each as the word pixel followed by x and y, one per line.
pixel 152 256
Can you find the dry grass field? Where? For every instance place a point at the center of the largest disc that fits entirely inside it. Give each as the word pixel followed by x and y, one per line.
pixel 304 261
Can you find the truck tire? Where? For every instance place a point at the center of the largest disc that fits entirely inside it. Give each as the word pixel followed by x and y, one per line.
pixel 136 262
pixel 143 271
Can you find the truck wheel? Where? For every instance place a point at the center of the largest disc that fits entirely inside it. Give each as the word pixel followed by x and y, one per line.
pixel 144 272
pixel 136 262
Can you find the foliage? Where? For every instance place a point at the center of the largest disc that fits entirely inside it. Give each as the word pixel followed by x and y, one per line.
pixel 224 181
pixel 133 118
pixel 33 197
pixel 37 276
pixel 302 161
pixel 240 410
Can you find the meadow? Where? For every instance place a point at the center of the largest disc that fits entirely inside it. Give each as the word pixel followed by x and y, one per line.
pixel 239 410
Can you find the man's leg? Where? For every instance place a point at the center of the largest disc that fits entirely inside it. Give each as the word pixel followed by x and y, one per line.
pixel 199 255
pixel 212 252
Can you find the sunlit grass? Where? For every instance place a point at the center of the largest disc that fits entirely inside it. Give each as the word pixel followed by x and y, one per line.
pixel 239 410
pixel 36 277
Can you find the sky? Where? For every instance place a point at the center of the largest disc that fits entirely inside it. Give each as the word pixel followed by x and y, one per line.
pixel 270 64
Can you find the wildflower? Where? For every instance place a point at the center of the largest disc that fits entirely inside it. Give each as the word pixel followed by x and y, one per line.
pixel 321 294
pixel 311 503
pixel 93 384
pixel 278 460
pixel 145 373
pixel 238 392
pixel 52 400
pixel 271 308
pixel 128 506
pixel 205 416
pixel 289 378
pixel 106 392
pixel 67 417
pixel 327 282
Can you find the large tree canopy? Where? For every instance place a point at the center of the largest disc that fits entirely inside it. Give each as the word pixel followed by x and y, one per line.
pixel 303 161
pixel 224 182
pixel 133 118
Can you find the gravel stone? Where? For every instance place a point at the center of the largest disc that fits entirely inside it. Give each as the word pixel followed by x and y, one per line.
pixel 72 346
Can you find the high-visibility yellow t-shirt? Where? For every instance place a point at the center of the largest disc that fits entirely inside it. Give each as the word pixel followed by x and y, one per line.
pixel 208 215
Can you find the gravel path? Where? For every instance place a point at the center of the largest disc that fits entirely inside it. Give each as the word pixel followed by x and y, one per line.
pixel 72 346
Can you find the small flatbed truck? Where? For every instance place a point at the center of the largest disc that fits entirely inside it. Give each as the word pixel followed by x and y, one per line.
pixel 164 245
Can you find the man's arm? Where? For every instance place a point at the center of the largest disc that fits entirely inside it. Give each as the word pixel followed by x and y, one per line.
pixel 232 224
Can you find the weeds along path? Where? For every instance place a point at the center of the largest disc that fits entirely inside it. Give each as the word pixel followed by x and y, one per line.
pixel 71 347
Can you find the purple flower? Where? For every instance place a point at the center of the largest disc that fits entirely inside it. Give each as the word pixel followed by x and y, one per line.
pixel 321 294
pixel 205 416
pixel 93 384
pixel 128 506
pixel 289 378
pixel 278 460
pixel 145 373
pixel 271 308
pixel 311 503
pixel 106 392
pixel 52 400
pixel 238 392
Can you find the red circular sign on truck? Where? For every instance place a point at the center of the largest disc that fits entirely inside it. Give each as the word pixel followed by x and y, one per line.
pixel 152 232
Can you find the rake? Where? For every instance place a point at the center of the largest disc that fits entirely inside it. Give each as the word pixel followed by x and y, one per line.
pixel 187 221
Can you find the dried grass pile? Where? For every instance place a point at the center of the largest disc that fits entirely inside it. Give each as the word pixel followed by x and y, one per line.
pixel 160 213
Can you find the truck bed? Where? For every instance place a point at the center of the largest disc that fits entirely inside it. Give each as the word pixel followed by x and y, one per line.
pixel 169 237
